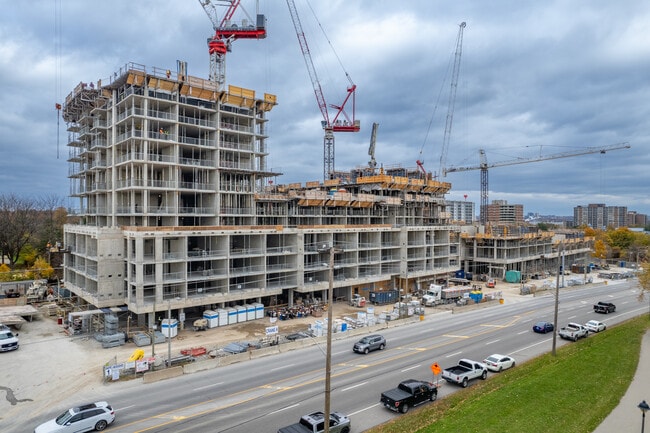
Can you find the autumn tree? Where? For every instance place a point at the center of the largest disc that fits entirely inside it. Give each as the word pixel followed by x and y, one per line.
pixel 41 269
pixel 644 282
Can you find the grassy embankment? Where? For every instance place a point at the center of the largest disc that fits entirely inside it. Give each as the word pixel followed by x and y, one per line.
pixel 570 393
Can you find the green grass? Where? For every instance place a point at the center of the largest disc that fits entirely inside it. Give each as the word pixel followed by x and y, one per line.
pixel 571 392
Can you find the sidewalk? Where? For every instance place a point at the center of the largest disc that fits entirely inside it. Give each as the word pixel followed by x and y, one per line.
pixel 626 417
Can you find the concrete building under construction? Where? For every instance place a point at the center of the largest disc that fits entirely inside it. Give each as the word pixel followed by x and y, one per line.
pixel 176 209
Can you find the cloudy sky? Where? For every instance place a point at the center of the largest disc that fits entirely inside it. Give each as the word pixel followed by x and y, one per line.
pixel 536 78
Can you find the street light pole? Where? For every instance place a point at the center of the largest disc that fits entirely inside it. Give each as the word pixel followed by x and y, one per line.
pixel 328 358
pixel 644 408
pixel 557 295
pixel 169 333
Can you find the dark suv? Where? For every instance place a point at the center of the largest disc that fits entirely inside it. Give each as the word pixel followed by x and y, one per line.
pixel 370 343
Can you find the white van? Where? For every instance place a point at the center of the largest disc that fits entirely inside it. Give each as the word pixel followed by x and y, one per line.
pixel 8 341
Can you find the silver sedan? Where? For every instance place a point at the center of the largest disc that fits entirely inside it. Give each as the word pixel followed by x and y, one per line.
pixel 595 326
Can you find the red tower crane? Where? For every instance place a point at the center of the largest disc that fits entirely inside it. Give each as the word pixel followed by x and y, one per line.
pixel 339 121
pixel 226 31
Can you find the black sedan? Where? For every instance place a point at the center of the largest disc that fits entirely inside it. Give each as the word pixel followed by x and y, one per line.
pixel 543 327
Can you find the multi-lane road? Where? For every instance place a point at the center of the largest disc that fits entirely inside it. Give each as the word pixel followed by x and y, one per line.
pixel 268 393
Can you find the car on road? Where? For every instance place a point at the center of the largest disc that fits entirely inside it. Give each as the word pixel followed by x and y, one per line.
pixel 595 326
pixel 604 307
pixel 498 362
pixel 88 417
pixel 543 327
pixel 370 343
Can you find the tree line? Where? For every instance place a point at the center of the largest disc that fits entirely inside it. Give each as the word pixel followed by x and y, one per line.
pixel 28 225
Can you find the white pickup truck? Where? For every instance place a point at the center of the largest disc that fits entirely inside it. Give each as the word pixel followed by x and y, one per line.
pixel 573 331
pixel 465 371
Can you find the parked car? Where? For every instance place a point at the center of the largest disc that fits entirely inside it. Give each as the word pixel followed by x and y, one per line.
pixel 543 327
pixel 8 340
pixel 595 326
pixel 498 362
pixel 315 423
pixel 409 393
pixel 93 416
pixel 464 371
pixel 370 343
pixel 573 331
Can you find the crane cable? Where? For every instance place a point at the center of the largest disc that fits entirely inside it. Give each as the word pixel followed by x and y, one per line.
pixel 57 67
pixel 330 43
pixel 435 108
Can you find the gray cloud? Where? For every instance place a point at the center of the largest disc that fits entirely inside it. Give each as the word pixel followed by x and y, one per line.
pixel 554 75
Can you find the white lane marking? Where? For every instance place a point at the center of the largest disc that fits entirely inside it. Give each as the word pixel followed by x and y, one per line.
pixel 410 368
pixel 210 386
pixel 283 367
pixel 453 354
pixel 124 408
pixel 533 345
pixel 522 332
pixel 493 341
pixel 364 409
pixel 572 317
pixel 285 408
pixel 354 386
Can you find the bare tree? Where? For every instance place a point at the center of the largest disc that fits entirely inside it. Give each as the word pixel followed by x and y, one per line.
pixel 19 221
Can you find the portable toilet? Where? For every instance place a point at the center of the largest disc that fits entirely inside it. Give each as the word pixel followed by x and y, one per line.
pixel 241 313
pixel 259 310
pixel 169 327
pixel 250 311
pixel 232 315
pixel 212 317
pixel 223 316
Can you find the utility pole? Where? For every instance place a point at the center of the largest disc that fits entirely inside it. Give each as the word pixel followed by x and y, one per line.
pixel 169 333
pixel 328 357
pixel 153 327
pixel 557 294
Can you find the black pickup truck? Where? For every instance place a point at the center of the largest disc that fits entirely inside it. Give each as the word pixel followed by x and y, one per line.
pixel 408 394
pixel 604 307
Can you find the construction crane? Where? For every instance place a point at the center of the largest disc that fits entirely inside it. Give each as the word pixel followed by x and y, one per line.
pixel 330 124
pixel 226 31
pixel 371 150
pixel 483 166
pixel 452 97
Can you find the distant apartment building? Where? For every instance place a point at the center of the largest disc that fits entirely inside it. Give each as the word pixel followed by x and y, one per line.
pixel 500 212
pixel 601 216
pixel 635 219
pixel 462 211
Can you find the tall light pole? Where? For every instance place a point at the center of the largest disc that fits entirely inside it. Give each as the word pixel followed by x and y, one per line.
pixel 169 333
pixel 328 356
pixel 557 294
pixel 644 408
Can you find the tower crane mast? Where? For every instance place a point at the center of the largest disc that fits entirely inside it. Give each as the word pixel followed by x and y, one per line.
pixel 329 123
pixel 483 166
pixel 225 32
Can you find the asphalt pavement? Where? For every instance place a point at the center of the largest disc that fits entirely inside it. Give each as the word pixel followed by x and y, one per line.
pixel 627 417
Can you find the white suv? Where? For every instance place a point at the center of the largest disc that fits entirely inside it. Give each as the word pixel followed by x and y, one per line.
pixel 8 340
pixel 93 416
